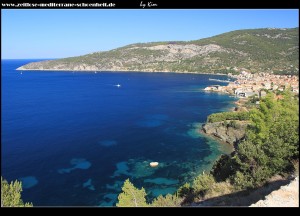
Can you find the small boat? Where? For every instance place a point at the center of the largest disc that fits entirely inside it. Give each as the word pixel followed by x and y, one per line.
pixel 118 85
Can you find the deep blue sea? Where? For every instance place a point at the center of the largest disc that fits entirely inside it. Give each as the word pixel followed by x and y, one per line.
pixel 73 138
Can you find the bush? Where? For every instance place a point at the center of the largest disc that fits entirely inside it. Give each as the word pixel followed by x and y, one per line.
pixel 233 124
pixel 223 168
pixel 242 181
pixel 218 117
pixel 202 183
pixel 187 193
pixel 185 190
pixel 167 201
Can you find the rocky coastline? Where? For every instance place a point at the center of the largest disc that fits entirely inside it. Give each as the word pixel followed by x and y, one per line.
pixel 225 132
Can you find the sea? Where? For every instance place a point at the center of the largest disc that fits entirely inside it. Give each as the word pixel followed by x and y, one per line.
pixel 73 138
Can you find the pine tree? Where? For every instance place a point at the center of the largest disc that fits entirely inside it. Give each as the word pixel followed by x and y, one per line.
pixel 11 194
pixel 272 141
pixel 131 196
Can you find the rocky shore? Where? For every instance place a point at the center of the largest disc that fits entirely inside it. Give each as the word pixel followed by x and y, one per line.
pixel 225 132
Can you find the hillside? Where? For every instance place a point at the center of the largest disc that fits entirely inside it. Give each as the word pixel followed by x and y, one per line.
pixel 256 50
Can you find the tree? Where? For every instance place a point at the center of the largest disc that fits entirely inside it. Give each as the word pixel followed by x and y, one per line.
pixel 270 146
pixel 131 196
pixel 272 141
pixel 11 194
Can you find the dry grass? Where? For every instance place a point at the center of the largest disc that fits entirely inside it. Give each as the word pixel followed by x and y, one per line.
pixel 219 189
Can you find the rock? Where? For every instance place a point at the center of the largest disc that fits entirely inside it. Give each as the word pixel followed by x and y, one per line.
pixel 225 132
pixel 154 164
pixel 286 196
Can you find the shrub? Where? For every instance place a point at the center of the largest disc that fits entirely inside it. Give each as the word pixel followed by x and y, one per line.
pixel 185 190
pixel 218 117
pixel 202 183
pixel 167 201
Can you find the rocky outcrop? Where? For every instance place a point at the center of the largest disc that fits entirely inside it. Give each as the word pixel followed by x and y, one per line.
pixel 230 132
pixel 286 196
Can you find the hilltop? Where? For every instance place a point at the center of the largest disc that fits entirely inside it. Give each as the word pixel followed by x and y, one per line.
pixel 254 50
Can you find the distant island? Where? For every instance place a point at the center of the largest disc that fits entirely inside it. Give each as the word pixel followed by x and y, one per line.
pixel 256 50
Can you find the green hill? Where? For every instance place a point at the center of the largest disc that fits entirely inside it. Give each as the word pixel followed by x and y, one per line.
pixel 255 50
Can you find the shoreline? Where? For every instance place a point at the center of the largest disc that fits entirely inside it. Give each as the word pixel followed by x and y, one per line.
pixel 219 141
pixel 234 106
pixel 120 71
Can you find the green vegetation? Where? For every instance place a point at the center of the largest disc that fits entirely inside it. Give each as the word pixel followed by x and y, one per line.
pixel 134 197
pixel 167 201
pixel 11 194
pixel 255 50
pixel 271 147
pixel 218 117
pixel 203 183
pixel 131 196
pixel 272 142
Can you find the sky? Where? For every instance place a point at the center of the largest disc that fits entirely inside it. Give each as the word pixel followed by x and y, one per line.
pixel 52 33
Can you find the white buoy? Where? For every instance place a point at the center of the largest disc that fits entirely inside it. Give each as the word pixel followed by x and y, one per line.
pixel 154 164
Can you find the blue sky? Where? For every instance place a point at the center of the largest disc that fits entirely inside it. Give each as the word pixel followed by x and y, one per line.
pixel 29 34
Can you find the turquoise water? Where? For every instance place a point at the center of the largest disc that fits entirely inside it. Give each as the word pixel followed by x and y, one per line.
pixel 73 138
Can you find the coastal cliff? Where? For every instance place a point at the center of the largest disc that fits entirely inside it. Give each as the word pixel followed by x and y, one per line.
pixel 228 132
pixel 253 50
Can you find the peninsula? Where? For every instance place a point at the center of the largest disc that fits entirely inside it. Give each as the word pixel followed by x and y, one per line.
pixel 256 50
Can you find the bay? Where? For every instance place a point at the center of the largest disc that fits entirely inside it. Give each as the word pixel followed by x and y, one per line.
pixel 73 138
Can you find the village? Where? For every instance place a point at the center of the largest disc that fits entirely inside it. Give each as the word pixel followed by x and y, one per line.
pixel 247 84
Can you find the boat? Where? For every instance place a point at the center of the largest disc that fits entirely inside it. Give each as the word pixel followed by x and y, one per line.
pixel 118 85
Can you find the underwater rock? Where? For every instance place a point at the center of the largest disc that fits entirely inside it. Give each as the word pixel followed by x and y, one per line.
pixel 28 181
pixel 88 184
pixel 163 191
pixel 162 181
pixel 122 169
pixel 79 163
